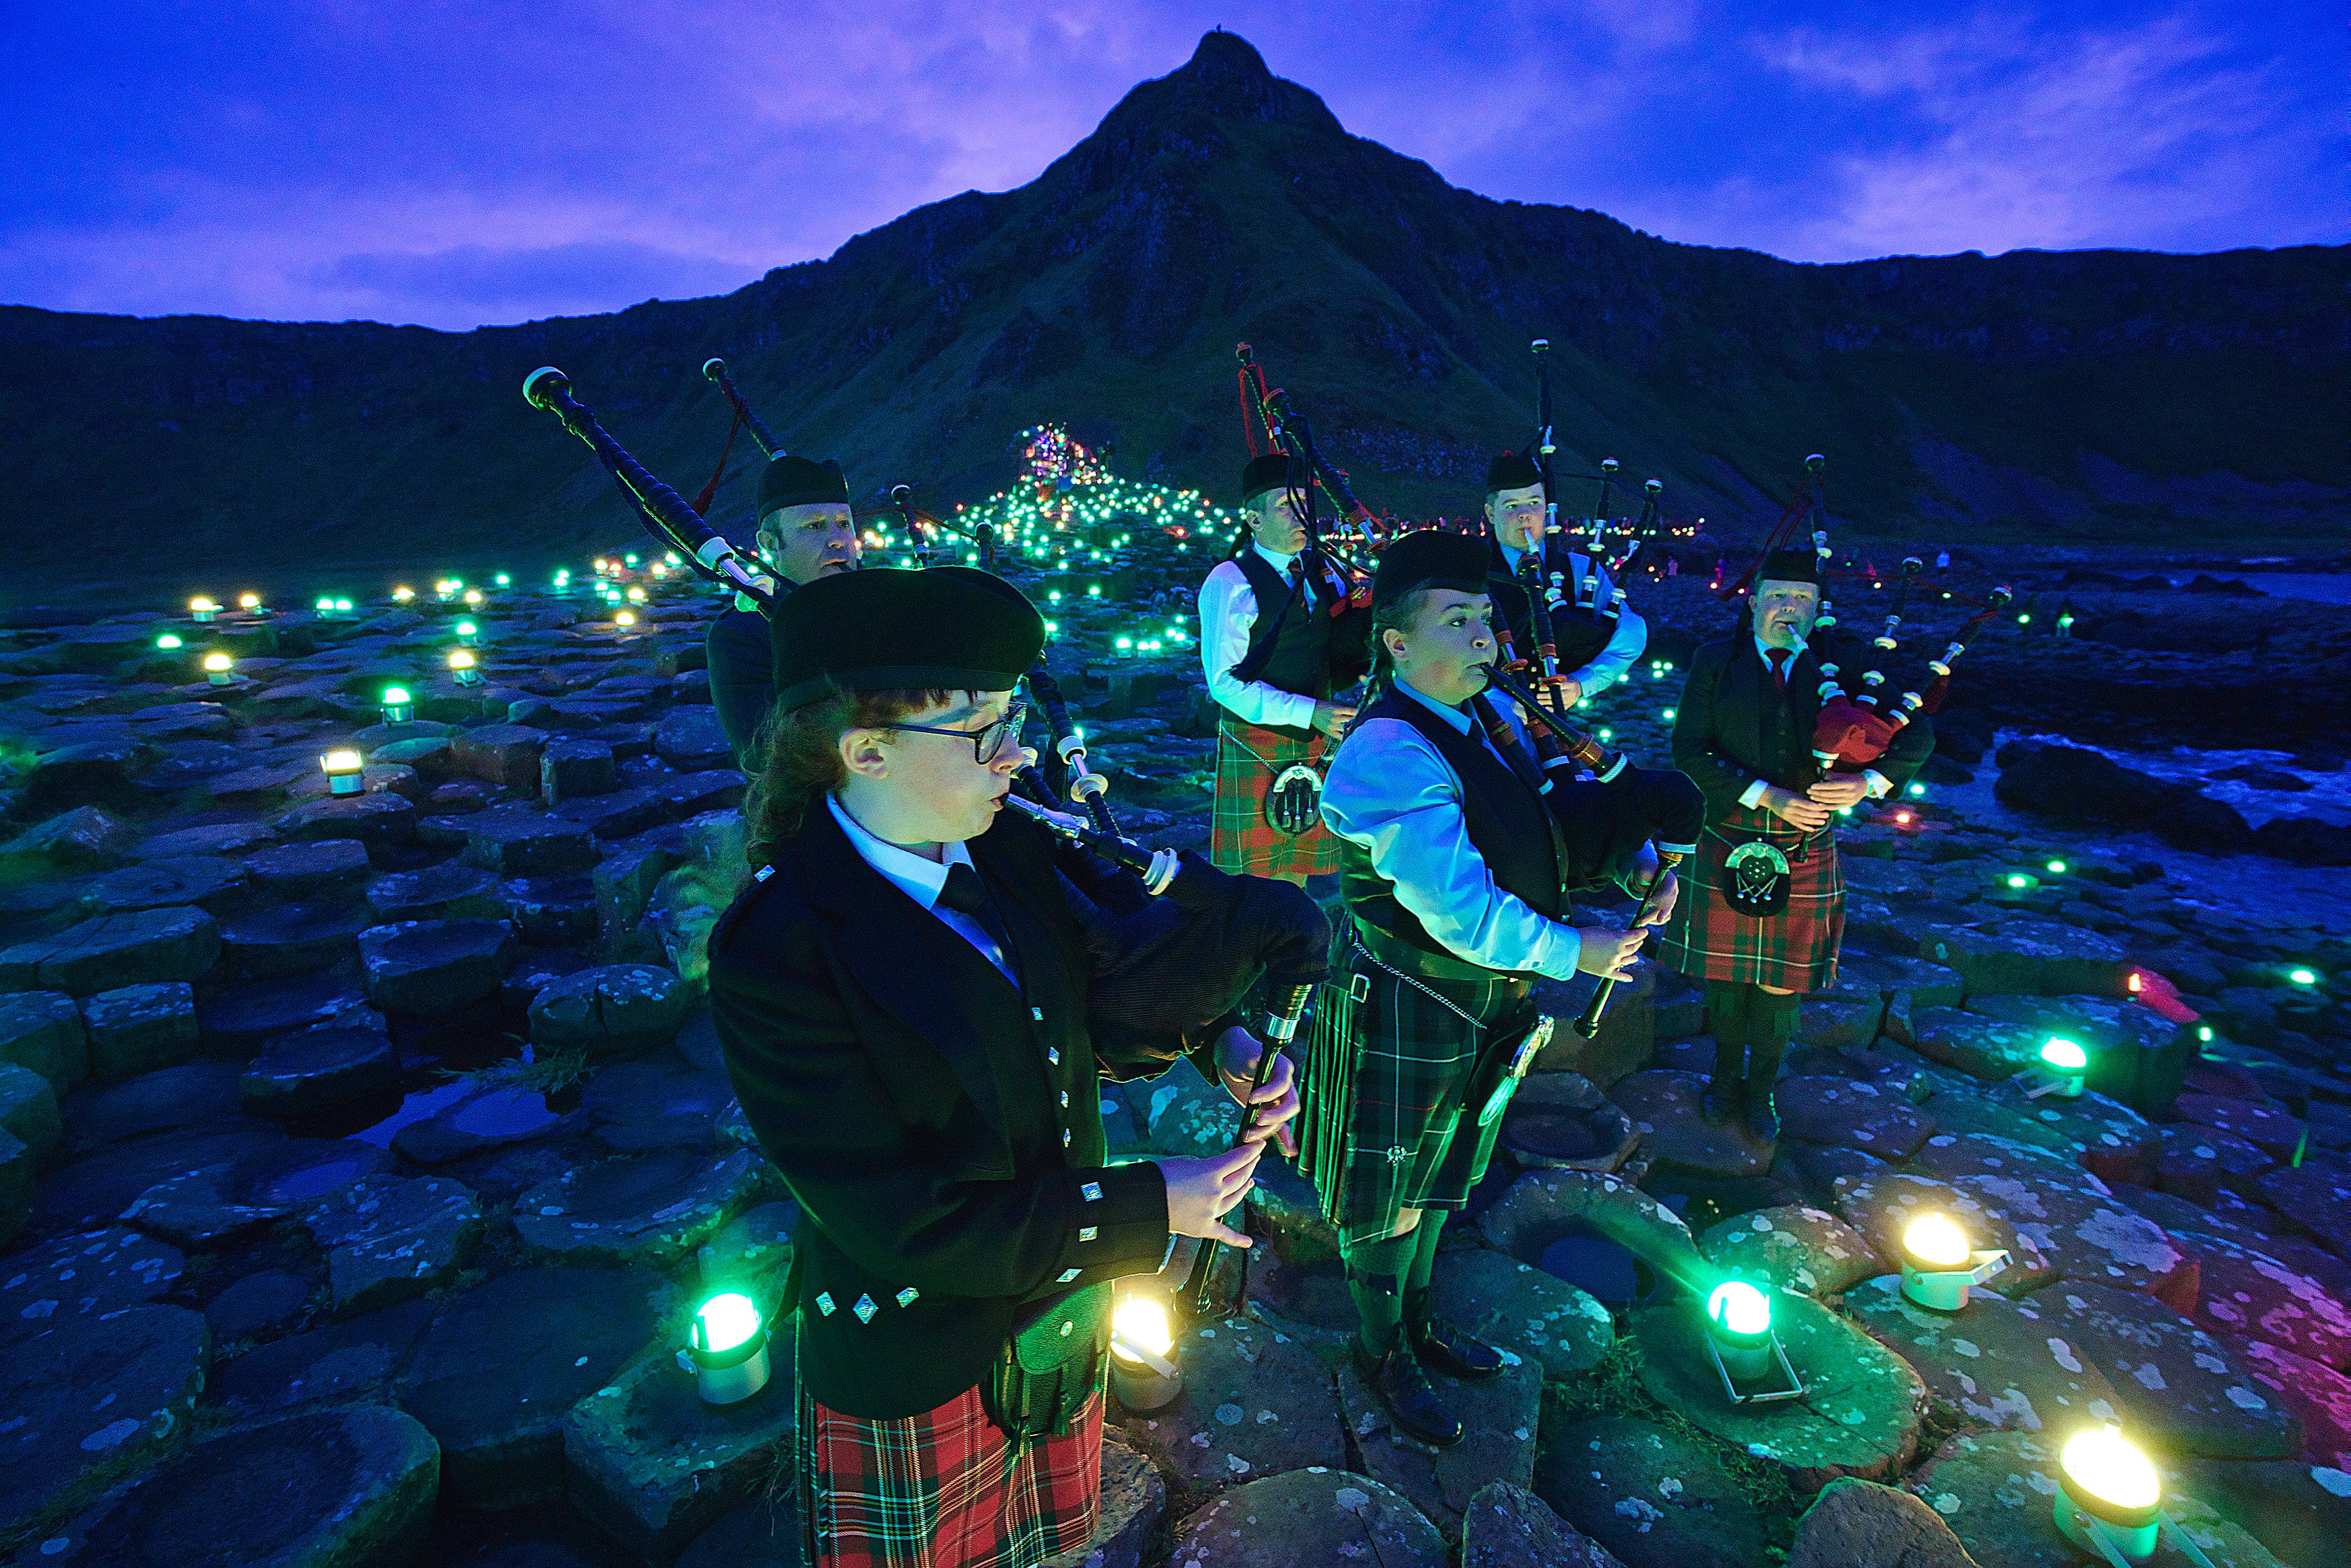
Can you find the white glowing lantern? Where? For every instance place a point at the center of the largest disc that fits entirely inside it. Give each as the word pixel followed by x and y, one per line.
pixel 202 610
pixel 624 618
pixel 1142 1373
pixel 1938 1265
pixel 2109 1496
pixel 461 664
pixel 219 668
pixel 343 772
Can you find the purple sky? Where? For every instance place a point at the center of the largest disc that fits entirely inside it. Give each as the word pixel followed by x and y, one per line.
pixel 455 164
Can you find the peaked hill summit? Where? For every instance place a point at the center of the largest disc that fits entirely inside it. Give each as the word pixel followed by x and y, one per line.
pixel 2083 395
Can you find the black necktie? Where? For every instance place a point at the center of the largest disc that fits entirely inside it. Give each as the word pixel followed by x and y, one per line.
pixel 966 894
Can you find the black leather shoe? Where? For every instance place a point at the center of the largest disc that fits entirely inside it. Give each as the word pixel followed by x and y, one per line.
pixel 1762 1118
pixel 1438 1344
pixel 1717 1105
pixel 1402 1388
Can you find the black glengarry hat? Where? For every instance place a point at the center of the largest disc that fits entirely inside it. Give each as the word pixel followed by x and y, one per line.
pixel 1511 471
pixel 1790 566
pixel 1270 471
pixel 1430 558
pixel 789 481
pixel 951 628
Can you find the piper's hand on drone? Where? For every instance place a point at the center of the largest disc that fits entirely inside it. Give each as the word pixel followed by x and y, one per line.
pixel 1658 898
pixel 1565 692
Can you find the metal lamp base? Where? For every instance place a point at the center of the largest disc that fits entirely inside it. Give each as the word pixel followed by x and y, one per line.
pixel 1762 1375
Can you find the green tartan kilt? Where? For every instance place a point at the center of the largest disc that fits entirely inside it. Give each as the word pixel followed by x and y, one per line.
pixel 1394 1080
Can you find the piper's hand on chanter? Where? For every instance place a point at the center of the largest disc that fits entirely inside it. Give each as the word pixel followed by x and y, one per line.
pixel 1277 1097
pixel 1199 1192
pixel 1843 789
pixel 1608 953
pixel 1797 810
pixel 1333 718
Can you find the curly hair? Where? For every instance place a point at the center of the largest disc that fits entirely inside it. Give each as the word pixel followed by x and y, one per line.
pixel 801 759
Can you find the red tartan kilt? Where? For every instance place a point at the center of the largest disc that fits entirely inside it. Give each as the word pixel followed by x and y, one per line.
pixel 1240 840
pixel 1795 949
pixel 945 1489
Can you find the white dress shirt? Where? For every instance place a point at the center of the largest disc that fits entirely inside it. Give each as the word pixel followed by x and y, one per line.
pixel 1392 792
pixel 921 880
pixel 1229 610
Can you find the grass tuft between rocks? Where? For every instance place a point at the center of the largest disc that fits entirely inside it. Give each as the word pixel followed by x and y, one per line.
pixel 1613 1388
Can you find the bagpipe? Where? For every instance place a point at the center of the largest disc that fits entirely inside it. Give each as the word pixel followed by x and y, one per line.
pixel 1605 819
pixel 1857 721
pixel 1268 413
pixel 901 496
pixel 1545 580
pixel 666 515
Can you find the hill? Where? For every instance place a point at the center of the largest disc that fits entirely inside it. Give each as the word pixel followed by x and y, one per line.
pixel 2085 396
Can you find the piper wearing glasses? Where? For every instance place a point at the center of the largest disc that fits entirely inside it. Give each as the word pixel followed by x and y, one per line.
pixel 1596 647
pixel 901 998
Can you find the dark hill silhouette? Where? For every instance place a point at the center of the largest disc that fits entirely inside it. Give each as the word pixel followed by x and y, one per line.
pixel 2082 395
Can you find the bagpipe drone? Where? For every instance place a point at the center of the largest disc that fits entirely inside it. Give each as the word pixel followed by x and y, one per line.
pixel 1859 718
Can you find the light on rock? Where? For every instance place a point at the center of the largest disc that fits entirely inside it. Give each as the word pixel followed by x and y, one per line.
pixel 1938 1265
pixel 343 770
pixel 202 610
pixel 219 669
pixel 2109 1498
pixel 399 708
pixel 461 664
pixel 1141 1343
pixel 727 1353
pixel 168 641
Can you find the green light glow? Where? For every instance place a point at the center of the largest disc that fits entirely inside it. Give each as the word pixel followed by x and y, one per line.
pixel 396 697
pixel 2057 868
pixel 2064 1055
pixel 466 629
pixel 2303 976
pixel 2204 1031
pixel 167 640
pixel 725 1321
pixel 1738 1308
pixel 1918 790
pixel 2020 882
pixel 503 579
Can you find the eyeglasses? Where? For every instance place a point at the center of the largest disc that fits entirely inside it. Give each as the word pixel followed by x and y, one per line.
pixel 984 740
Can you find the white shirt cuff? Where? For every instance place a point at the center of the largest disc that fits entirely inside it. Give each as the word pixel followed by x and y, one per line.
pixel 1880 786
pixel 1752 796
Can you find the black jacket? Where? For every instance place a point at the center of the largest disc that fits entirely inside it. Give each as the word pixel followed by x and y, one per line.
pixel 915 1104
pixel 742 678
pixel 1733 726
pixel 1580 636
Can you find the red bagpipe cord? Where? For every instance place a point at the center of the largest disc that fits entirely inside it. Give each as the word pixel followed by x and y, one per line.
pixel 701 503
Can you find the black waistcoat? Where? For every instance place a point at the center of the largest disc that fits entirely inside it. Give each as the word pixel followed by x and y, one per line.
pixel 1508 823
pixel 1299 657
pixel 1580 635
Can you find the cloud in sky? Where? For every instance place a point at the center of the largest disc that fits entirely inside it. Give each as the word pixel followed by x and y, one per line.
pixel 452 163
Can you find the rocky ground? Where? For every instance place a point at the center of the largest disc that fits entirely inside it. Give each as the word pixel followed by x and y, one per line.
pixel 360 1157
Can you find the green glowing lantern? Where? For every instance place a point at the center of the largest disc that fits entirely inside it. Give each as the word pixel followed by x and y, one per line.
pixel 168 641
pixel 1739 1327
pixel 1668 715
pixel 2057 868
pixel 2062 1067
pixel 2303 977
pixel 468 632
pixel 727 1353
pixel 1916 790
pixel 399 708
pixel 502 580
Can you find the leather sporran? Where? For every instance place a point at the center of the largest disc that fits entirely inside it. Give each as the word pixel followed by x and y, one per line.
pixel 1755 879
pixel 1293 802
pixel 1053 1364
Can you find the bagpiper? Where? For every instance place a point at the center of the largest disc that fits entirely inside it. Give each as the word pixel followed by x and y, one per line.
pixel 1596 633
pixel 1764 916
pixel 1275 643
pixel 806 531
pixel 902 1000
pixel 1452 868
